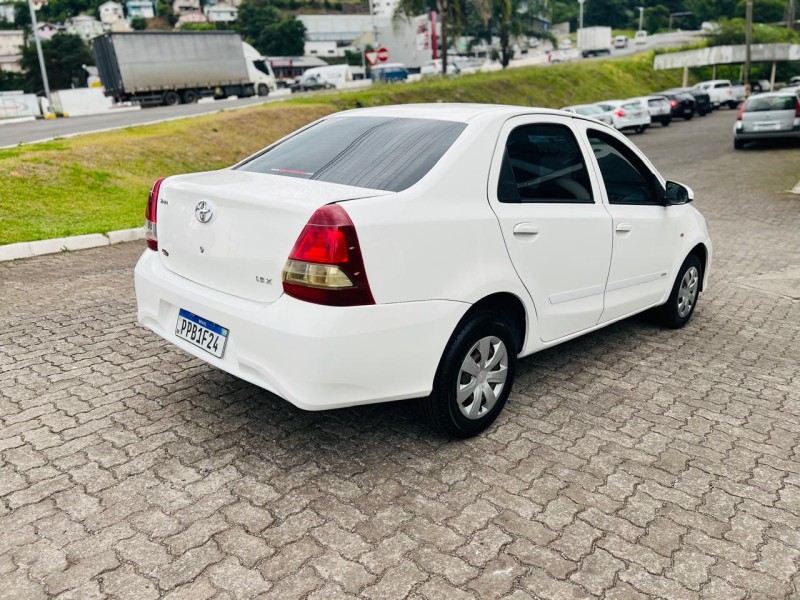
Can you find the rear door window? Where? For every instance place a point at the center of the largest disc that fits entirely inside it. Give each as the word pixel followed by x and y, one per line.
pixel 380 153
pixel 760 103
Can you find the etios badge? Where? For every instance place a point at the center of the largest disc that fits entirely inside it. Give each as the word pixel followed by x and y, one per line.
pixel 203 211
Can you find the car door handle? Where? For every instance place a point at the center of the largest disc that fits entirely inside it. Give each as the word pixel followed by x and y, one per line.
pixel 526 229
pixel 624 227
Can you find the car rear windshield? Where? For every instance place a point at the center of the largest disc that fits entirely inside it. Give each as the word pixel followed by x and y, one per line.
pixel 380 153
pixel 757 103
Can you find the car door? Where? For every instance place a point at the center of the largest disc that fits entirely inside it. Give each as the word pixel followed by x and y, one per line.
pixel 645 231
pixel 556 229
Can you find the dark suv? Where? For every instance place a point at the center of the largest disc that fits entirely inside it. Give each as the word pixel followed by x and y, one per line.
pixel 702 101
pixel 682 103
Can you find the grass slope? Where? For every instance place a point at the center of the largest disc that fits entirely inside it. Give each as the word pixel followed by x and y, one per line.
pixel 99 182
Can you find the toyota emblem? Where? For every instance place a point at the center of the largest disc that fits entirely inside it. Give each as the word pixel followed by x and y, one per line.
pixel 203 211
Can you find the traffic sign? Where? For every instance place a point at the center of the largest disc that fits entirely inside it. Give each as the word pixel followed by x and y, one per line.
pixel 383 54
pixel 372 58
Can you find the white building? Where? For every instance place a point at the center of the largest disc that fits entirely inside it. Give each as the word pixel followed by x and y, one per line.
pixel 11 42
pixel 190 18
pixel 384 8
pixel 185 7
pixel 48 30
pixel 337 28
pixel 140 8
pixel 221 13
pixel 7 11
pixel 111 12
pixel 322 49
pixel 85 26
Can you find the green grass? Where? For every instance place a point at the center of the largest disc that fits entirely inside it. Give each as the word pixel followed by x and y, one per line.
pixel 98 183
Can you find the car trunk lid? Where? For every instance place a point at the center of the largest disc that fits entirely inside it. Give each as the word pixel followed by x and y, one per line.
pixel 233 230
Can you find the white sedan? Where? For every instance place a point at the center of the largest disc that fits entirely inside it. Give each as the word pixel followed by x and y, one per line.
pixel 416 252
pixel 627 114
pixel 590 110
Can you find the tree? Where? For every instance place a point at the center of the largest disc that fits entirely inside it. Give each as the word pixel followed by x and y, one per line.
pixel 764 11
pixel 138 23
pixel 656 17
pixel 262 25
pixel 64 57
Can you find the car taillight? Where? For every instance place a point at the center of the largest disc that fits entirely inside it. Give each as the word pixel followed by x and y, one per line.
pixel 740 112
pixel 619 112
pixel 325 266
pixel 797 110
pixel 151 216
pixel 673 103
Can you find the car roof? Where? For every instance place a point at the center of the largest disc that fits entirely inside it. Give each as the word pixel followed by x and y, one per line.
pixel 464 113
pixel 779 93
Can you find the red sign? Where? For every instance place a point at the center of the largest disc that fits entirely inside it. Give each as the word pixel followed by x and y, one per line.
pixel 383 54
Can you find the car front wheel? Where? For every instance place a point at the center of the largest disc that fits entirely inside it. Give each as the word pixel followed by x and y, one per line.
pixel 474 377
pixel 685 292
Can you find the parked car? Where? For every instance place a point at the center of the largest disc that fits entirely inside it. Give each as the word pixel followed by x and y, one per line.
pixel 591 110
pixel 640 37
pixel 683 104
pixel 389 72
pixel 376 268
pixel 721 92
pixel 620 42
pixel 311 83
pixel 702 101
pixel 434 67
pixel 660 109
pixel 767 116
pixel 627 114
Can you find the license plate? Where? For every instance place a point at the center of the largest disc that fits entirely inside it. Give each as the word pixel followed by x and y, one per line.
pixel 766 126
pixel 201 332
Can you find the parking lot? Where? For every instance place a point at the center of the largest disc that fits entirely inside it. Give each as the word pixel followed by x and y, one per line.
pixel 632 462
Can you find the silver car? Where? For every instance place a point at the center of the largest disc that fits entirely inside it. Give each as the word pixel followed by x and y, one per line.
pixel 590 110
pixel 767 116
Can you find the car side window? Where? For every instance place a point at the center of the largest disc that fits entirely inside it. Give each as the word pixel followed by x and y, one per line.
pixel 543 163
pixel 626 178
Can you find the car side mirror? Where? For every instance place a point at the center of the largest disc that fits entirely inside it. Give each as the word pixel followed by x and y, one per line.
pixel 677 193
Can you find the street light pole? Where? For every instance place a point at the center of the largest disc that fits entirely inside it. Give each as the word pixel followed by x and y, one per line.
pixel 580 14
pixel 748 42
pixel 35 26
pixel 641 17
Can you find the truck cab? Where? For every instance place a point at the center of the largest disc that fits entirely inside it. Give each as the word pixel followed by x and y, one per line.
pixel 259 71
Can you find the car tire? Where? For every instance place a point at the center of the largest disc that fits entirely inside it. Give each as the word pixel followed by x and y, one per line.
pixel 171 98
pixel 733 104
pixel 481 357
pixel 738 144
pixel 666 122
pixel 680 305
pixel 639 129
pixel 262 89
pixel 688 117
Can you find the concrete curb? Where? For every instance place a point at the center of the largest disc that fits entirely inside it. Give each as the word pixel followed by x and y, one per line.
pixel 68 244
pixel 13 120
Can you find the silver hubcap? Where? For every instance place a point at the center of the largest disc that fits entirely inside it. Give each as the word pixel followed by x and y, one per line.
pixel 482 377
pixel 687 293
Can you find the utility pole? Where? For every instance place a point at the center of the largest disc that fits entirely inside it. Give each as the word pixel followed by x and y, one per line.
pixel 641 17
pixel 35 26
pixel 790 15
pixel 748 42
pixel 580 14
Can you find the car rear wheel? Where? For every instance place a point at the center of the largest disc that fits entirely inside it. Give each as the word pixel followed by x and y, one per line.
pixel 666 122
pixel 474 377
pixel 685 292
pixel 639 129
pixel 738 144
pixel 733 104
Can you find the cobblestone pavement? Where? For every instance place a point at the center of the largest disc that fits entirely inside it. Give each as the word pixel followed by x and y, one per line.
pixel 633 462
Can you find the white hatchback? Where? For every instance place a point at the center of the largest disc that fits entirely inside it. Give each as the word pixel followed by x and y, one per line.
pixel 632 113
pixel 416 252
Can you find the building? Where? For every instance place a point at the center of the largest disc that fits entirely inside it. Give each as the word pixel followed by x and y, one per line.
pixel 140 8
pixel 288 68
pixel 11 42
pixel 329 49
pixel 48 30
pixel 384 8
pixel 85 26
pixel 337 28
pixel 190 18
pixel 7 11
pixel 111 12
pixel 187 7
pixel 221 13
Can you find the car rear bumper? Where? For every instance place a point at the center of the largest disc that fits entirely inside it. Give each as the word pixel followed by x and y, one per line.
pixel 766 135
pixel 316 357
